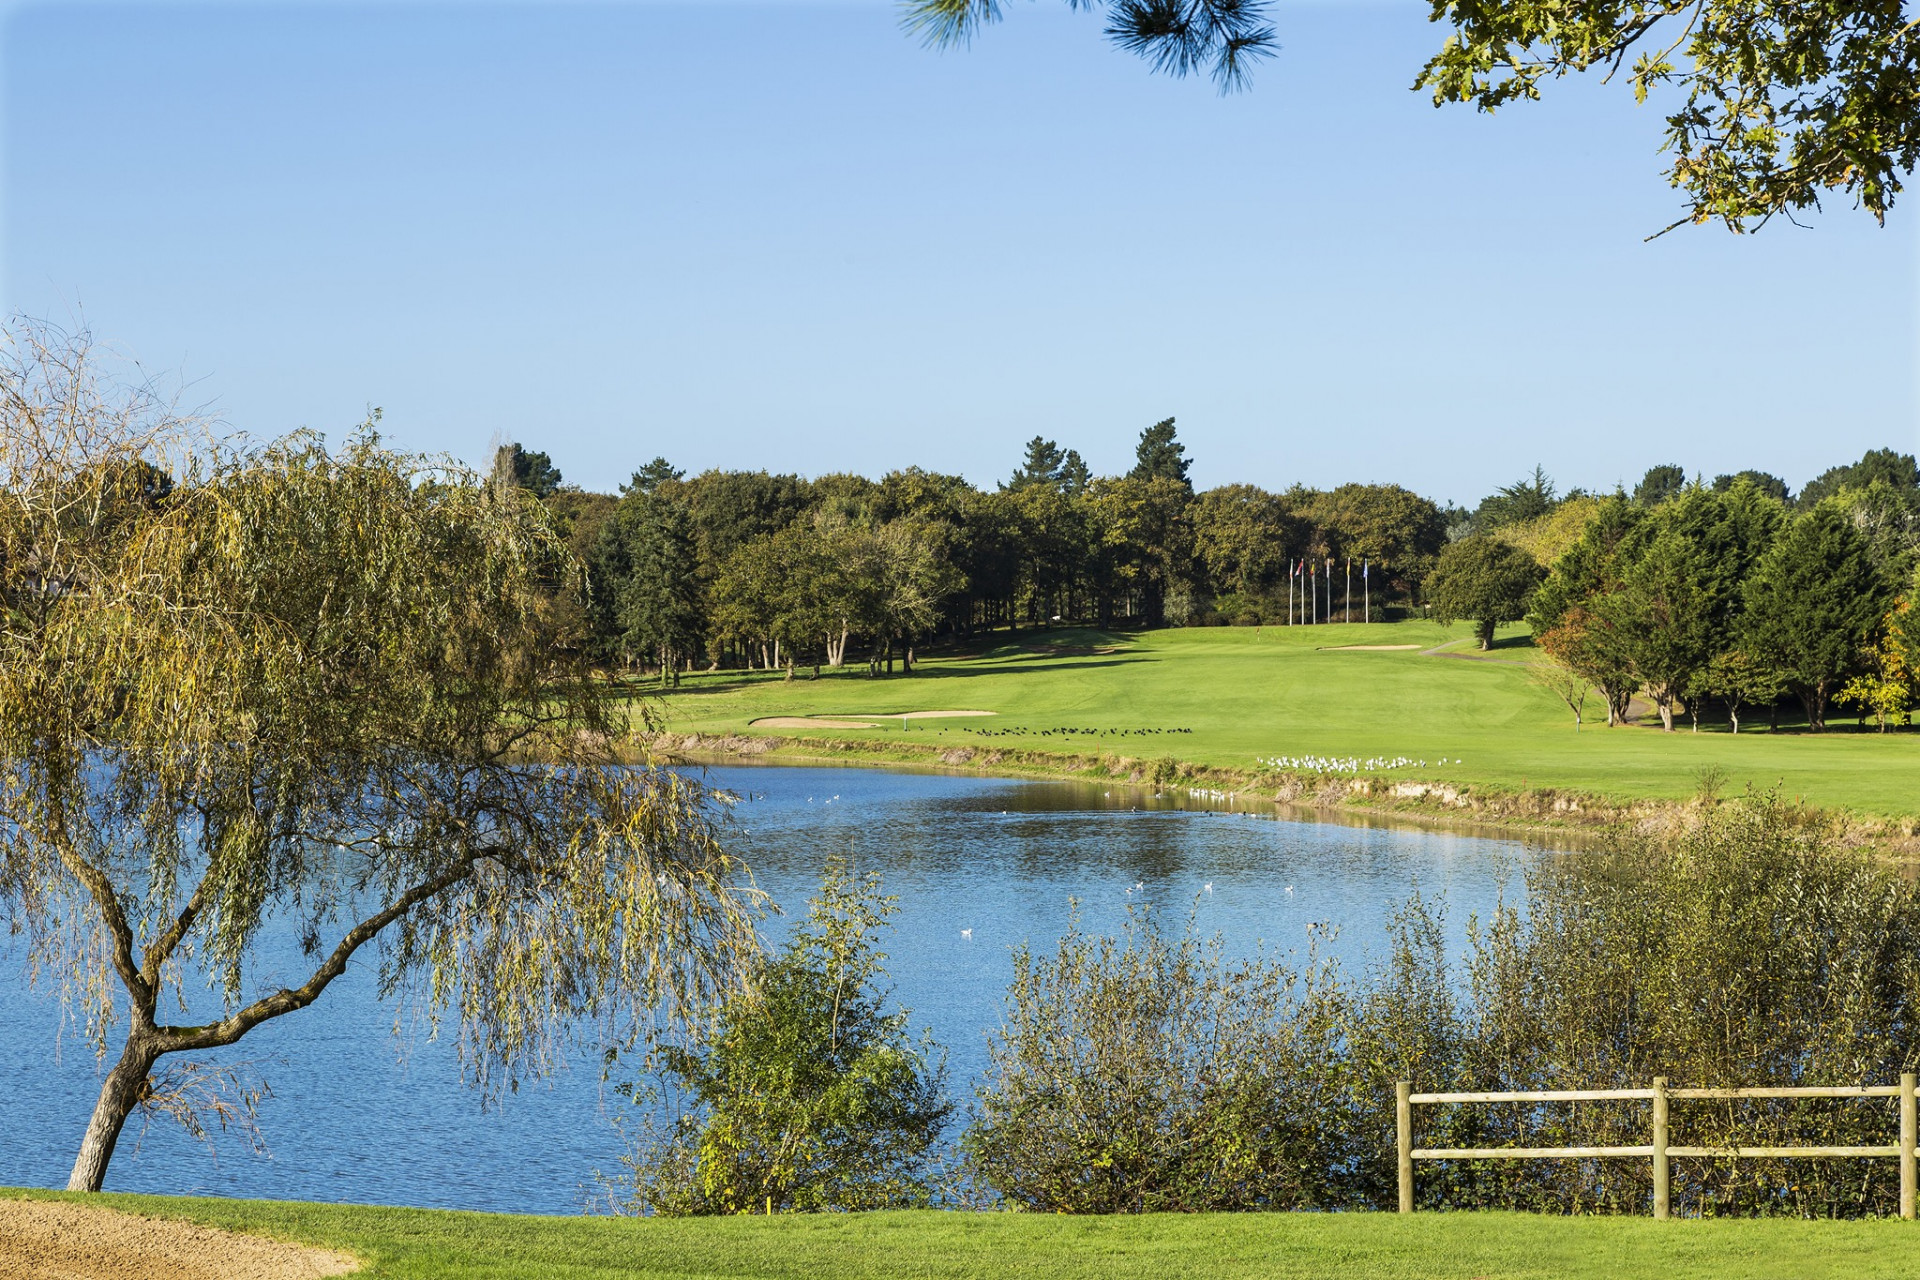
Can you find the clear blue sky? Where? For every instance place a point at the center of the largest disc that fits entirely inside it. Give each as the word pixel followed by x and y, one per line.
pixel 786 235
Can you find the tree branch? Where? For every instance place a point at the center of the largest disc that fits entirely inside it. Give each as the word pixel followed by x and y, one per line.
pixel 101 889
pixel 162 946
pixel 213 1035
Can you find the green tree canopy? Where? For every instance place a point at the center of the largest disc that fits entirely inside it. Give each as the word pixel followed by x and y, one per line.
pixel 647 564
pixel 1778 103
pixel 532 471
pixel 1771 105
pixel 1897 470
pixel 1143 537
pixel 316 691
pixel 1659 484
pixel 1042 465
pixel 1395 528
pixel 808 1093
pixel 1678 594
pixel 1590 566
pixel 1160 456
pixel 1771 485
pixel 652 476
pixel 1483 579
pixel 1526 499
pixel 1243 537
pixel 1812 604
pixel 733 507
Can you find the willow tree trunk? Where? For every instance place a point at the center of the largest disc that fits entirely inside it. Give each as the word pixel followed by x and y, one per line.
pixel 125 1085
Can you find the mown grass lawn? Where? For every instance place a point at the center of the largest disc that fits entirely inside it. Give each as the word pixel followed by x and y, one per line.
pixel 1254 692
pixel 420 1243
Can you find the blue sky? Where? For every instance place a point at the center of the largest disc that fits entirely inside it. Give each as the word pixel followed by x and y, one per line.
pixel 786 235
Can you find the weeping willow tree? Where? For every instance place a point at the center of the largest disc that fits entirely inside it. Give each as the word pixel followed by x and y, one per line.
pixel 249 687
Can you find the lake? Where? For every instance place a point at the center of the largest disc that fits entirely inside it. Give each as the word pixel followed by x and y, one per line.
pixel 979 865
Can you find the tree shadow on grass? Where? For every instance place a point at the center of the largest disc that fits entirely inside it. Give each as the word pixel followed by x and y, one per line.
pixel 702 683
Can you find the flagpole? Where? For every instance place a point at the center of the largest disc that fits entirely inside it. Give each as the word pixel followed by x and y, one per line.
pixel 1366 595
pixel 1348 615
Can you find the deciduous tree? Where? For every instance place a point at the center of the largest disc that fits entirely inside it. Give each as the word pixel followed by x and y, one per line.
pixel 315 691
pixel 1485 580
pixel 807 1094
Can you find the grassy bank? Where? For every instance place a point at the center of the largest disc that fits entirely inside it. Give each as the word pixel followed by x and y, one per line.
pixel 1226 698
pixel 415 1243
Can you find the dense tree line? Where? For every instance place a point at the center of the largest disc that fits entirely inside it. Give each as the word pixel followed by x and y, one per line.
pixel 1728 593
pixel 1688 592
pixel 1682 590
pixel 745 568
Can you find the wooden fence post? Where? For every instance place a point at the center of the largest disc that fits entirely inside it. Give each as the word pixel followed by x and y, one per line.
pixel 1403 1122
pixel 1662 1185
pixel 1907 1169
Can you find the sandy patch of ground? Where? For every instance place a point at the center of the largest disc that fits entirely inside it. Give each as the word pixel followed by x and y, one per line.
pixel 58 1240
pixel 1371 648
pixel 858 720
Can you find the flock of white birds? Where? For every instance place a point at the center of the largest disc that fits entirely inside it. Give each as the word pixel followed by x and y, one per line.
pixel 1345 764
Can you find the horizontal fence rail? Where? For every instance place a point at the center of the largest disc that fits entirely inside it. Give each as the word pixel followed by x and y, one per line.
pixel 1659 1149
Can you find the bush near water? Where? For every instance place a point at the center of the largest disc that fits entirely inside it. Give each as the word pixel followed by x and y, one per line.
pixel 1154 1072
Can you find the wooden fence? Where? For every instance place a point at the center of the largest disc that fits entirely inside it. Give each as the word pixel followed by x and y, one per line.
pixel 1658 1148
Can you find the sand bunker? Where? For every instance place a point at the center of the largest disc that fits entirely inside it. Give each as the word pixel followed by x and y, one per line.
pixel 855 720
pixel 59 1240
pixel 943 715
pixel 1370 648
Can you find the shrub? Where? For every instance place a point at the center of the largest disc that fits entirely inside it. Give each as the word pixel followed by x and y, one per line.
pixel 1152 1072
pixel 806 1094
pixel 1747 950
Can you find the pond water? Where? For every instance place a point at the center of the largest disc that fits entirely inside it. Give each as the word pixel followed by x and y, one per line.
pixel 979 865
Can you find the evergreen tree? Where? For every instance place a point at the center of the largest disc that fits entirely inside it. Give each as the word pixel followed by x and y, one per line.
pixel 1042 466
pixel 1896 469
pixel 1679 592
pixel 648 566
pixel 1159 456
pixel 1812 604
pixel 1659 485
pixel 1075 476
pixel 1527 499
pixel 650 477
pixel 531 471
pixel 1771 485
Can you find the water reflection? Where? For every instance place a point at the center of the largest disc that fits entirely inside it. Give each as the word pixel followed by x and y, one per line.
pixel 979 865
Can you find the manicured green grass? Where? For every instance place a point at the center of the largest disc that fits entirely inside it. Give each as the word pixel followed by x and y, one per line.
pixel 1252 692
pixel 416 1243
